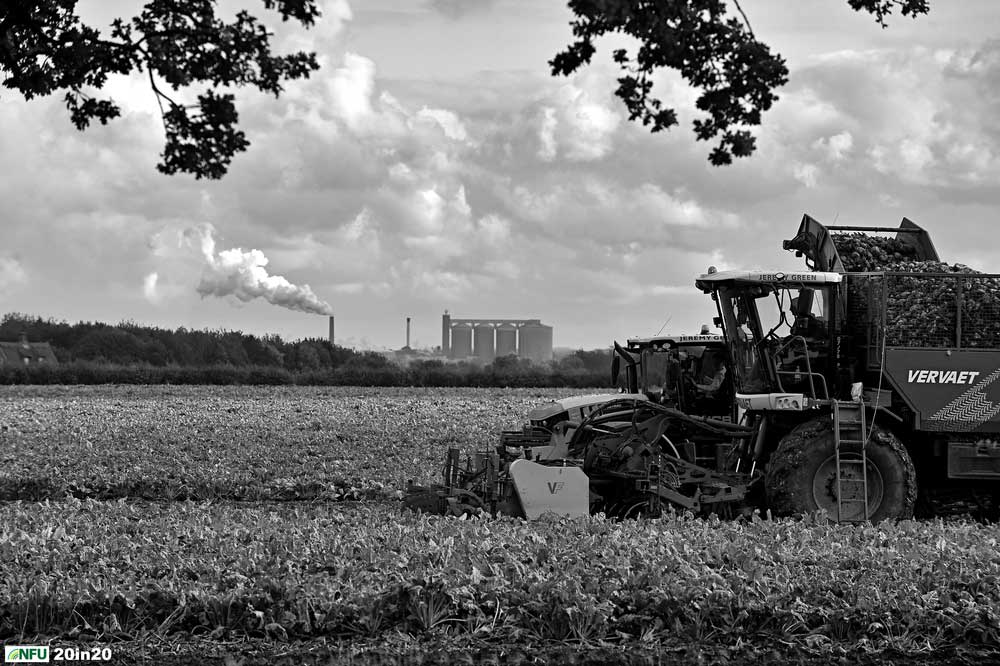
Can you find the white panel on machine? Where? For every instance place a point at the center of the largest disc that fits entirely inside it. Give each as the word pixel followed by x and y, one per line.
pixel 564 491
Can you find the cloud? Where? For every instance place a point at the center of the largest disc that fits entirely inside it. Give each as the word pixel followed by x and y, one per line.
pixel 458 202
pixel 591 209
pixel 456 9
pixel 448 121
pixel 12 274
pixel 835 147
pixel 576 125
pixel 806 174
pixel 149 288
pixel 547 135
pixel 352 87
pixel 916 114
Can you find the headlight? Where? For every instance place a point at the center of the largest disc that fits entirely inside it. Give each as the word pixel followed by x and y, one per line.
pixel 792 402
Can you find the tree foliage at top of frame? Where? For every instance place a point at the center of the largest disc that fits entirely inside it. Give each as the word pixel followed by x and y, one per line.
pixel 714 50
pixel 45 48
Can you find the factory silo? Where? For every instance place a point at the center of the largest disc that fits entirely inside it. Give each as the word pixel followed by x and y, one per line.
pixel 485 349
pixel 506 340
pixel 445 334
pixel 536 342
pixel 461 341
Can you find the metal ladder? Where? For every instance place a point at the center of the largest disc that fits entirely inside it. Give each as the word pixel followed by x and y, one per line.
pixel 850 435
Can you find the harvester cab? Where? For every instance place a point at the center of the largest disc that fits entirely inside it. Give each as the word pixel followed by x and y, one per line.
pixel 689 372
pixel 782 329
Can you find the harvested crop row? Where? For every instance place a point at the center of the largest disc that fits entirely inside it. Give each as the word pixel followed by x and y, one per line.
pixel 127 570
pixel 921 310
pixel 242 443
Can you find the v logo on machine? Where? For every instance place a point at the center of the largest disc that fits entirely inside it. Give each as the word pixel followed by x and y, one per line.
pixel 555 486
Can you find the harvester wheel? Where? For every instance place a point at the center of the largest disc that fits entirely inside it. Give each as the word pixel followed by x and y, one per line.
pixel 802 475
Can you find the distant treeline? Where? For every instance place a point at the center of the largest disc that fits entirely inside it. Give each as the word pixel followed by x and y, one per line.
pixel 127 353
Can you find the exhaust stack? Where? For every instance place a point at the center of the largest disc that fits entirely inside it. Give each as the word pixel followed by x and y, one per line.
pixel 407 332
pixel 331 329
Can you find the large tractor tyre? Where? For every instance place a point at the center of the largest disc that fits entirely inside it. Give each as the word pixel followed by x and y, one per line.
pixel 802 475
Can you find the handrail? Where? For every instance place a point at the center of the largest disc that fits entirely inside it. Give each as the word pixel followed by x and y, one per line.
pixel 809 372
pixel 822 379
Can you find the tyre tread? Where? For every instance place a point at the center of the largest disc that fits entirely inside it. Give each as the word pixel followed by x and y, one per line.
pixel 792 453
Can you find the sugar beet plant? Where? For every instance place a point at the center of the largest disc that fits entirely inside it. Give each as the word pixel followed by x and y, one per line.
pixel 129 571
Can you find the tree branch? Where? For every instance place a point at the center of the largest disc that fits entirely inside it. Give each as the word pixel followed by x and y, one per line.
pixel 745 19
pixel 159 95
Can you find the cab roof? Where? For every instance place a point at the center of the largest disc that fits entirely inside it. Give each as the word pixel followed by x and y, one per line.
pixel 677 340
pixel 709 281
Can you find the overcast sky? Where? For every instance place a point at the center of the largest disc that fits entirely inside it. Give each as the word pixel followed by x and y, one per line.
pixel 433 163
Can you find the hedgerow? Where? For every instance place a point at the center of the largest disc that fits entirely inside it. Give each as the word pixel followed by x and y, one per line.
pixel 417 374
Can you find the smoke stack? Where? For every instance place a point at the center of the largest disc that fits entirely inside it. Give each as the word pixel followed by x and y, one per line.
pixel 407 332
pixel 331 329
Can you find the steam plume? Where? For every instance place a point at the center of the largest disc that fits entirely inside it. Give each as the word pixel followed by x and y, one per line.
pixel 242 274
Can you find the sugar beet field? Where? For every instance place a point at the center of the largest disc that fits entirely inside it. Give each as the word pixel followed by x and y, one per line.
pixel 240 525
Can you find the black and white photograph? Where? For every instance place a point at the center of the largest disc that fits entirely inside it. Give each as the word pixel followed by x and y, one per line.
pixel 503 332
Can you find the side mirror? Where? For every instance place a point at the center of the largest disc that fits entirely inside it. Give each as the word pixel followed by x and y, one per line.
pixel 717 321
pixel 616 366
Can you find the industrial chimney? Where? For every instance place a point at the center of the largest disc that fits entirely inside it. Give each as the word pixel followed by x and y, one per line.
pixel 331 329
pixel 407 332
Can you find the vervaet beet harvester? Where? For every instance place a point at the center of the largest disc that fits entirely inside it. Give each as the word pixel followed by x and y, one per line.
pixel 823 405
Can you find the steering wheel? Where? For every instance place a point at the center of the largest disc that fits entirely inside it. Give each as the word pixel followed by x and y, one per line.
pixel 688 390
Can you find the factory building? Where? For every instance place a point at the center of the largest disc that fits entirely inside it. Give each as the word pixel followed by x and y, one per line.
pixel 535 341
pixel 506 339
pixel 487 339
pixel 461 341
pixel 485 348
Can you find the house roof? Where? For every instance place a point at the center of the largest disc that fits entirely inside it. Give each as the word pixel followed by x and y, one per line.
pixel 16 352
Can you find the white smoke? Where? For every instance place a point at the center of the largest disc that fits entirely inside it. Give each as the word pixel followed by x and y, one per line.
pixel 242 274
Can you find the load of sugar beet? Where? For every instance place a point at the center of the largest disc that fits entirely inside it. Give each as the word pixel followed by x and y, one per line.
pixel 921 310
